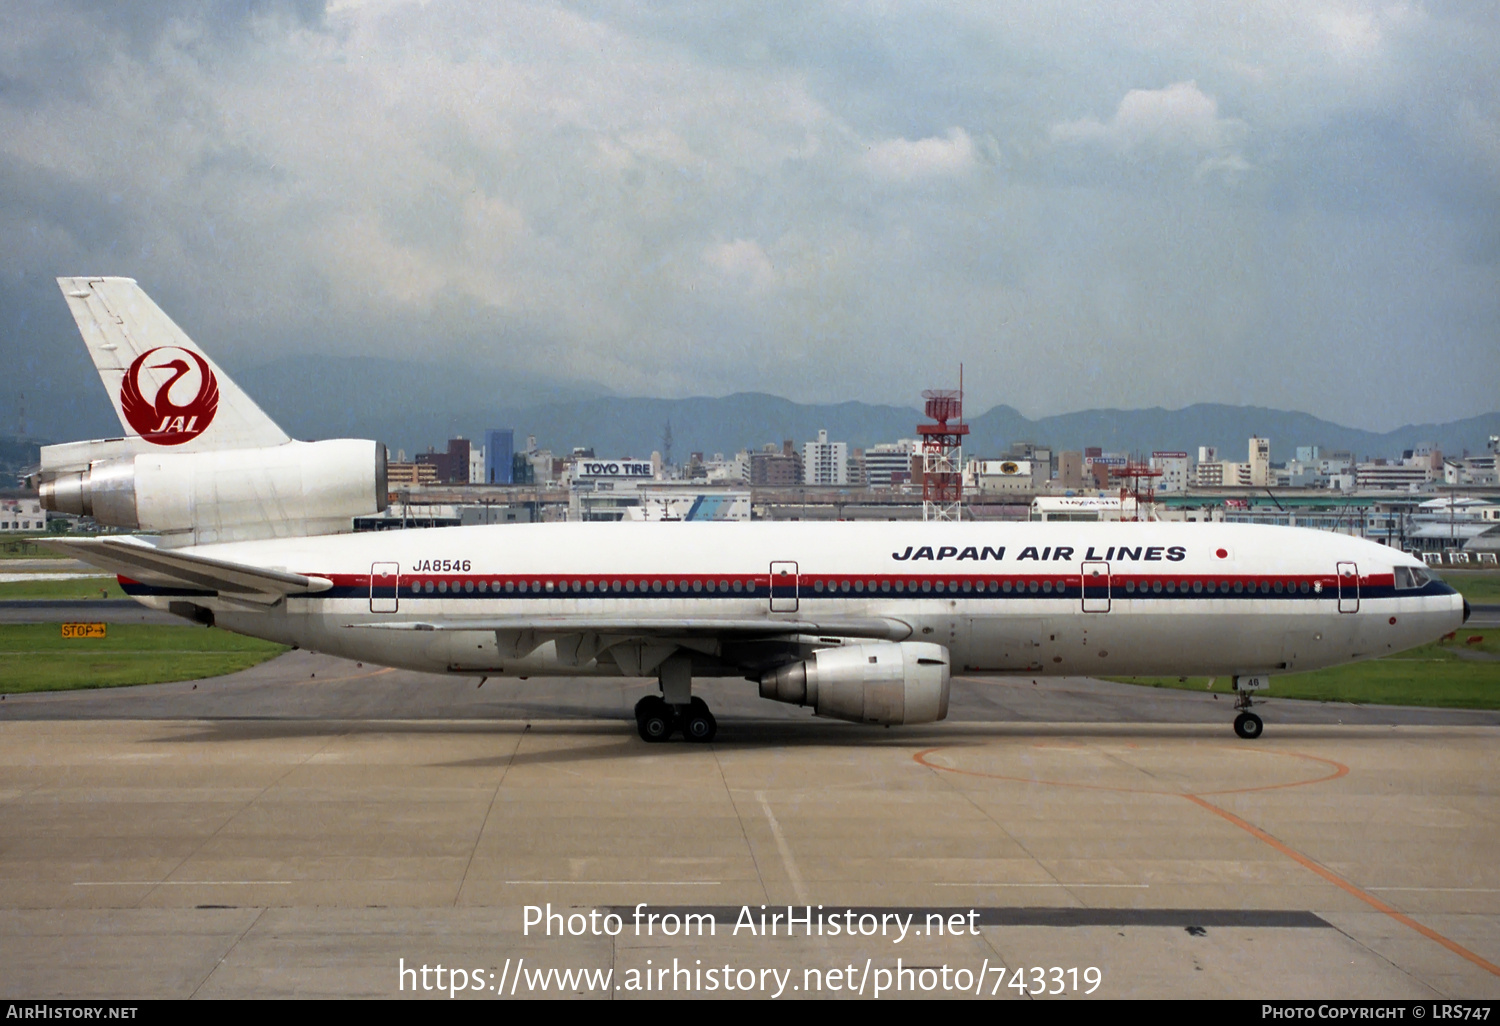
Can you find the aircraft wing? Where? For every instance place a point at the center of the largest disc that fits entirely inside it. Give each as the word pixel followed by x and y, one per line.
pixel 147 564
pixel 883 628
pixel 637 645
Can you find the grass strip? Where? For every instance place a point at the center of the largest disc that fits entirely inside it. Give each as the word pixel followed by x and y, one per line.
pixel 81 590
pixel 35 657
pixel 1434 675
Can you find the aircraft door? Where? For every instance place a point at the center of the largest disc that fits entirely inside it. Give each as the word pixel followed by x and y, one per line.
pixel 385 586
pixel 783 587
pixel 1348 588
pixel 1095 587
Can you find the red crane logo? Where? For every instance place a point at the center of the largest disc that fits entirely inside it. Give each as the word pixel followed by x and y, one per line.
pixel 159 420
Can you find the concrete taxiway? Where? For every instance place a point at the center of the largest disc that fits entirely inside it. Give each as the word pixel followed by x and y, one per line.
pixel 311 826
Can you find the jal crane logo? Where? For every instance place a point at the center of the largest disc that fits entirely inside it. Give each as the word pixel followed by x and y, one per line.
pixel 159 419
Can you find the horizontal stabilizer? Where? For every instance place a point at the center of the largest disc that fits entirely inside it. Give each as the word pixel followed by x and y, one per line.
pixel 139 561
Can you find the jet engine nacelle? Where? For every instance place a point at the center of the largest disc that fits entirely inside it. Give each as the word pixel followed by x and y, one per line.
pixel 880 682
pixel 294 489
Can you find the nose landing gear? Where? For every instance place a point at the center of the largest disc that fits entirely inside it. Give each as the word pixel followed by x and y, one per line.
pixel 1248 725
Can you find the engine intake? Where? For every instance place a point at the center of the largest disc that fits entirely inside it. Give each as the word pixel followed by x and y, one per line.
pixel 879 682
pixel 293 489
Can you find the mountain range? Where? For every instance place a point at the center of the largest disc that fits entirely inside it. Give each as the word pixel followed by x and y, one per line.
pixel 411 406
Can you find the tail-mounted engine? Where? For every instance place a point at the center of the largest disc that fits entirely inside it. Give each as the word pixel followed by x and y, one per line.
pixel 880 682
pixel 289 490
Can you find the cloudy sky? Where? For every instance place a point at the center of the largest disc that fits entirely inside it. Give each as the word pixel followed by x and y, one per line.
pixel 1293 204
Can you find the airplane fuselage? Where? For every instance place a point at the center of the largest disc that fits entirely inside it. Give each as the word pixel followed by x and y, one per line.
pixel 1003 598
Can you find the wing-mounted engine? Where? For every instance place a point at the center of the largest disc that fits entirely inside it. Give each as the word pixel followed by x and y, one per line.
pixel 882 682
pixel 194 498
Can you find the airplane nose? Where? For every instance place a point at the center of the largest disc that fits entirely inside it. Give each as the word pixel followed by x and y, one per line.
pixel 1467 611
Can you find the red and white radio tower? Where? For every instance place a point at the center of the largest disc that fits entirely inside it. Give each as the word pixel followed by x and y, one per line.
pixel 943 453
pixel 1137 481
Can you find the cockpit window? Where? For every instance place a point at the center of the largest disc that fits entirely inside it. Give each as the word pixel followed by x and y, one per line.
pixel 1408 577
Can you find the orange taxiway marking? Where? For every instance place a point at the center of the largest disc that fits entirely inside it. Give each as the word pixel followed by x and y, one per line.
pixel 1198 799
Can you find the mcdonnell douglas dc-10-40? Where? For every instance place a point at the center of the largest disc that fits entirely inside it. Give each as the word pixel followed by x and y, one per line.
pixel 241 527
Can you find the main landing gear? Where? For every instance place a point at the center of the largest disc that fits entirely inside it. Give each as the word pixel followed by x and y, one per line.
pixel 657 720
pixel 658 717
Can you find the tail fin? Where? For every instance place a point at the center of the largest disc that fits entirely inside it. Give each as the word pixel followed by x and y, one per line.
pixel 166 391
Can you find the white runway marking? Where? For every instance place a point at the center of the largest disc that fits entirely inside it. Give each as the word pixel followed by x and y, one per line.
pixel 785 849
pixel 984 884
pixel 181 883
pixel 633 883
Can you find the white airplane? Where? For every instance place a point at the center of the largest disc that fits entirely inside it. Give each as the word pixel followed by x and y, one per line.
pixel 243 528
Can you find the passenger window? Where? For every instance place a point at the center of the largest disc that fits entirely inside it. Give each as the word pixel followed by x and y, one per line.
pixel 885 587
pixel 817 585
pixel 443 587
pixel 738 586
pixel 1047 587
pixel 926 586
pixel 1006 587
pixel 1156 587
pixel 1197 587
pixel 656 586
pixel 939 587
pixel 1130 587
pixel 469 587
pixel 1239 587
pixel 630 586
pixel 1032 587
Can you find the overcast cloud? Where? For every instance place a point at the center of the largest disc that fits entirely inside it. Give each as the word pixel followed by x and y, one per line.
pixel 1285 204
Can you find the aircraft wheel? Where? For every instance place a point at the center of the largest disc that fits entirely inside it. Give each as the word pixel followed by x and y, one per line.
pixel 698 724
pixel 655 719
pixel 1248 726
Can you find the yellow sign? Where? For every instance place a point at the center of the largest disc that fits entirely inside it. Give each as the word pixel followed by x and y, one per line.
pixel 83 630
